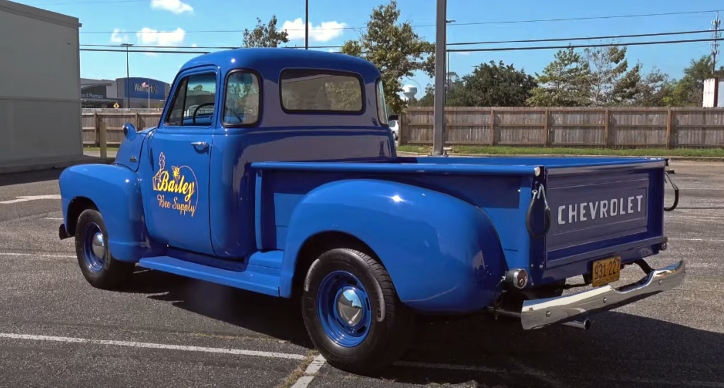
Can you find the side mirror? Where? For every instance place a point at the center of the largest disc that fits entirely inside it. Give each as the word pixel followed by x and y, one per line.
pixel 129 131
pixel 393 117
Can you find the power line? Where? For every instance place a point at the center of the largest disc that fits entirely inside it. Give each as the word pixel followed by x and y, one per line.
pixel 524 48
pixel 583 38
pixel 89 2
pixel 590 18
pixel 454 43
pixel 145 51
pixel 582 46
pixel 199 47
pixel 604 17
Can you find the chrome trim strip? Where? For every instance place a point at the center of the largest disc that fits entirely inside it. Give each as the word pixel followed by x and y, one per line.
pixel 538 313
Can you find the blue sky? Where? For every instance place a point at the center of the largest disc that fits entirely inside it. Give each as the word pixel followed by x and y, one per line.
pixel 220 22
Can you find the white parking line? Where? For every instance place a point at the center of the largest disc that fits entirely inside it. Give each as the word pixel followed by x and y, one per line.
pixel 27 198
pixel 310 372
pixel 696 239
pixel 38 255
pixel 147 345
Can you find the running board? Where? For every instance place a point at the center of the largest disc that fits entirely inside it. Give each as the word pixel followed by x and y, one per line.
pixel 248 279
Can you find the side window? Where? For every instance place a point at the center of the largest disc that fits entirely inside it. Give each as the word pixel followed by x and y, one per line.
pixel 193 102
pixel 242 102
pixel 381 104
pixel 321 91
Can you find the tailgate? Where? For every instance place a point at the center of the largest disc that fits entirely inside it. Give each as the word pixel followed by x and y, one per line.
pixel 603 209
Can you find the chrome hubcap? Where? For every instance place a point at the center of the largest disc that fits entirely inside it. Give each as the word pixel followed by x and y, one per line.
pixel 99 247
pixel 349 306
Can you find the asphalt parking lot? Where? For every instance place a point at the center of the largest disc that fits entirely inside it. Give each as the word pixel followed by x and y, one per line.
pixel 167 331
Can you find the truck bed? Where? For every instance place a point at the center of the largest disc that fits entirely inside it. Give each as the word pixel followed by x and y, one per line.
pixel 599 207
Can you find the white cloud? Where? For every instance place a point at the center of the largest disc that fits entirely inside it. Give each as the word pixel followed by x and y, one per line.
pixel 323 32
pixel 463 53
pixel 118 36
pixel 150 37
pixel 173 6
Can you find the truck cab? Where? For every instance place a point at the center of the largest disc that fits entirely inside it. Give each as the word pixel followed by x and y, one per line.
pixel 275 171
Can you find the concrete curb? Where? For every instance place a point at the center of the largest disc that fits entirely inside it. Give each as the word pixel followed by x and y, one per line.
pixel 53 165
pixel 671 158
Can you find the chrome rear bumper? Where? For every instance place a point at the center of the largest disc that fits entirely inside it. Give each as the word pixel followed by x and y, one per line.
pixel 538 313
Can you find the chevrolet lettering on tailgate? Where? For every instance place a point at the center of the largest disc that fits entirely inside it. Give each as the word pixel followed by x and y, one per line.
pixel 580 212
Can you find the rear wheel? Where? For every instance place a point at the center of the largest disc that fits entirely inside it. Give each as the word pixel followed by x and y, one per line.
pixel 353 314
pixel 96 263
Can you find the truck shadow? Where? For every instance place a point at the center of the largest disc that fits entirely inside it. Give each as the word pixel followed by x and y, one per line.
pixel 619 350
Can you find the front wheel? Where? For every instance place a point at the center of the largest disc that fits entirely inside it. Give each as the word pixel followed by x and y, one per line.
pixel 96 263
pixel 353 314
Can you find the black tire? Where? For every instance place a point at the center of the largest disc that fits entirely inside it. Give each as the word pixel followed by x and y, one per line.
pixel 385 341
pixel 106 273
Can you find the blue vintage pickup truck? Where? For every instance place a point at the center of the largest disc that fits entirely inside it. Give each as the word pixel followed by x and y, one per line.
pixel 274 170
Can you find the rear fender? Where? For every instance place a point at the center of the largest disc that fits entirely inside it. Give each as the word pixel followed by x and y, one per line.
pixel 442 253
pixel 116 192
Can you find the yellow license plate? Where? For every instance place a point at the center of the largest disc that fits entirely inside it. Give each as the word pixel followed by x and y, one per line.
pixel 606 271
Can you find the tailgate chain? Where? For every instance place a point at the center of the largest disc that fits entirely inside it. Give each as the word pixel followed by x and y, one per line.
pixel 676 192
pixel 537 195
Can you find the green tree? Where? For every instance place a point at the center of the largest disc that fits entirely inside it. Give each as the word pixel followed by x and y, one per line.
pixel 428 99
pixel 564 82
pixel 608 65
pixel 689 90
pixel 395 49
pixel 635 89
pixel 265 35
pixel 492 84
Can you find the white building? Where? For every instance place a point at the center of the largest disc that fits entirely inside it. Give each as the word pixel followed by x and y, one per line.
pixel 136 92
pixel 713 93
pixel 40 109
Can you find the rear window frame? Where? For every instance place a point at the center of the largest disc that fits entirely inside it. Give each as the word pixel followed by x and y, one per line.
pixel 322 71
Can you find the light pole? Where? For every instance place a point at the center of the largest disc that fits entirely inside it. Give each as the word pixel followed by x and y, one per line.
pixel 439 96
pixel 128 98
pixel 447 72
pixel 306 24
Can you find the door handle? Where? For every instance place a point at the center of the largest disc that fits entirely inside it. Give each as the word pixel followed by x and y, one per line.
pixel 200 143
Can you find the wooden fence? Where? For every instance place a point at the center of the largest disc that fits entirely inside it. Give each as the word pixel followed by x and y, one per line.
pixel 569 127
pixel 541 127
pixel 142 118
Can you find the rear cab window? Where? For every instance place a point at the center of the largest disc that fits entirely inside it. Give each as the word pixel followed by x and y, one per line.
pixel 381 104
pixel 313 90
pixel 242 105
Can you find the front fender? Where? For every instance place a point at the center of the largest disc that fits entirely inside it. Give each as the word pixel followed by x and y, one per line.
pixel 116 192
pixel 442 253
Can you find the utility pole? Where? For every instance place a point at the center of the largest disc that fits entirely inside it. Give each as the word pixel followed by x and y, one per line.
pixel 128 97
pixel 716 23
pixel 439 96
pixel 306 24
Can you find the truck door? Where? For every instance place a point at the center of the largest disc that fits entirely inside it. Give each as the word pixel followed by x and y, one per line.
pixel 176 197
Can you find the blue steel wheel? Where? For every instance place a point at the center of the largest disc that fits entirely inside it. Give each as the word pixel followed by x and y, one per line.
pixel 94 247
pixel 96 263
pixel 344 308
pixel 352 312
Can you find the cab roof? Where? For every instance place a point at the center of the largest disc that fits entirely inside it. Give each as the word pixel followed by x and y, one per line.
pixel 270 61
